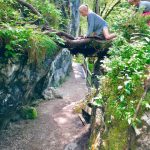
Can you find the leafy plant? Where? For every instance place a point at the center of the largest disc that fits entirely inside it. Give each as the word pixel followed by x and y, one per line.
pixel 122 86
pixel 126 73
pixel 18 41
pixel 50 13
pixel 15 40
pixel 7 12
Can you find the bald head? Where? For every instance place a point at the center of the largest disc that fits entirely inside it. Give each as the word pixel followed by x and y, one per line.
pixel 134 2
pixel 84 10
pixel 83 7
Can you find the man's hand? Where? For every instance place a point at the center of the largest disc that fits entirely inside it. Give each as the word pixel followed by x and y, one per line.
pixel 78 38
pixel 81 37
pixel 85 36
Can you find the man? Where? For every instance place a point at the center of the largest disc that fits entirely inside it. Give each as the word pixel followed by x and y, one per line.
pixel 97 26
pixel 144 5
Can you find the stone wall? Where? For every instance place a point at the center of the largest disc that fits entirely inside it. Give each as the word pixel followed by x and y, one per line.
pixel 21 81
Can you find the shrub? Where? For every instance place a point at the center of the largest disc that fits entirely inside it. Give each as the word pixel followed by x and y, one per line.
pixel 15 40
pixel 122 86
pixel 49 12
pixel 7 12
pixel 124 21
pixel 21 40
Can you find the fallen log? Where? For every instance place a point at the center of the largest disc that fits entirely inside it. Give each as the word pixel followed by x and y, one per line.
pixel 86 46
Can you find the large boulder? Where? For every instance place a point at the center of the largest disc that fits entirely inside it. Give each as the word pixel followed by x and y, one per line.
pixel 21 81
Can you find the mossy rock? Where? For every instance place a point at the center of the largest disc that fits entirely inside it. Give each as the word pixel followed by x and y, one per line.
pixel 28 112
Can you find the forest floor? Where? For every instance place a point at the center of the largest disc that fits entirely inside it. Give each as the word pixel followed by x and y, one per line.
pixel 57 126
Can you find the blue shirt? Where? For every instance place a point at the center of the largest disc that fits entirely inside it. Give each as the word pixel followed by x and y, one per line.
pixel 95 24
pixel 145 5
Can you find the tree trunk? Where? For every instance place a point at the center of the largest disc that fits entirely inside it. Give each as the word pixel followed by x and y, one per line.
pixel 75 17
pixel 96 6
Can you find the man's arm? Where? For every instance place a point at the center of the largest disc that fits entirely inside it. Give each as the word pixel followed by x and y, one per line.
pixel 90 25
pixel 107 35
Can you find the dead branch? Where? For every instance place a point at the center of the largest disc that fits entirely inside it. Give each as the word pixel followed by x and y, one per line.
pixel 146 89
pixel 102 11
pixel 139 104
pixel 29 6
pixel 111 9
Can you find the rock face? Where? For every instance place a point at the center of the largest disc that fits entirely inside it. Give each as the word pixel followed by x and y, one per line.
pixel 21 81
pixel 143 139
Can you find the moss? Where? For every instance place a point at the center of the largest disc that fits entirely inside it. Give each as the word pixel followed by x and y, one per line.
pixel 28 112
pixel 118 128
pixel 41 46
pixel 117 136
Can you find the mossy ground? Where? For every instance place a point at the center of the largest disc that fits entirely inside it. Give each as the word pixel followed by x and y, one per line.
pixel 28 112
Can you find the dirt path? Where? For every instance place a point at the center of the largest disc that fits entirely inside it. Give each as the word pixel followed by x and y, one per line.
pixel 57 127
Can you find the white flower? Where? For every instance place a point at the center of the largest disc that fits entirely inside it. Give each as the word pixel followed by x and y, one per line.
pixel 120 87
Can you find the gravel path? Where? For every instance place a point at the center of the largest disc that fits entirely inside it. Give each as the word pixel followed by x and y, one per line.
pixel 57 127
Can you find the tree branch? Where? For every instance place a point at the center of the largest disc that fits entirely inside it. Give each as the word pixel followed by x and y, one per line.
pixel 111 9
pixel 139 104
pixel 29 6
pixel 102 11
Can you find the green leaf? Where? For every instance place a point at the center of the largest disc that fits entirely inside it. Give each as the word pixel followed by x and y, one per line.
pixel 122 98
pixel 8 47
pixel 98 102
